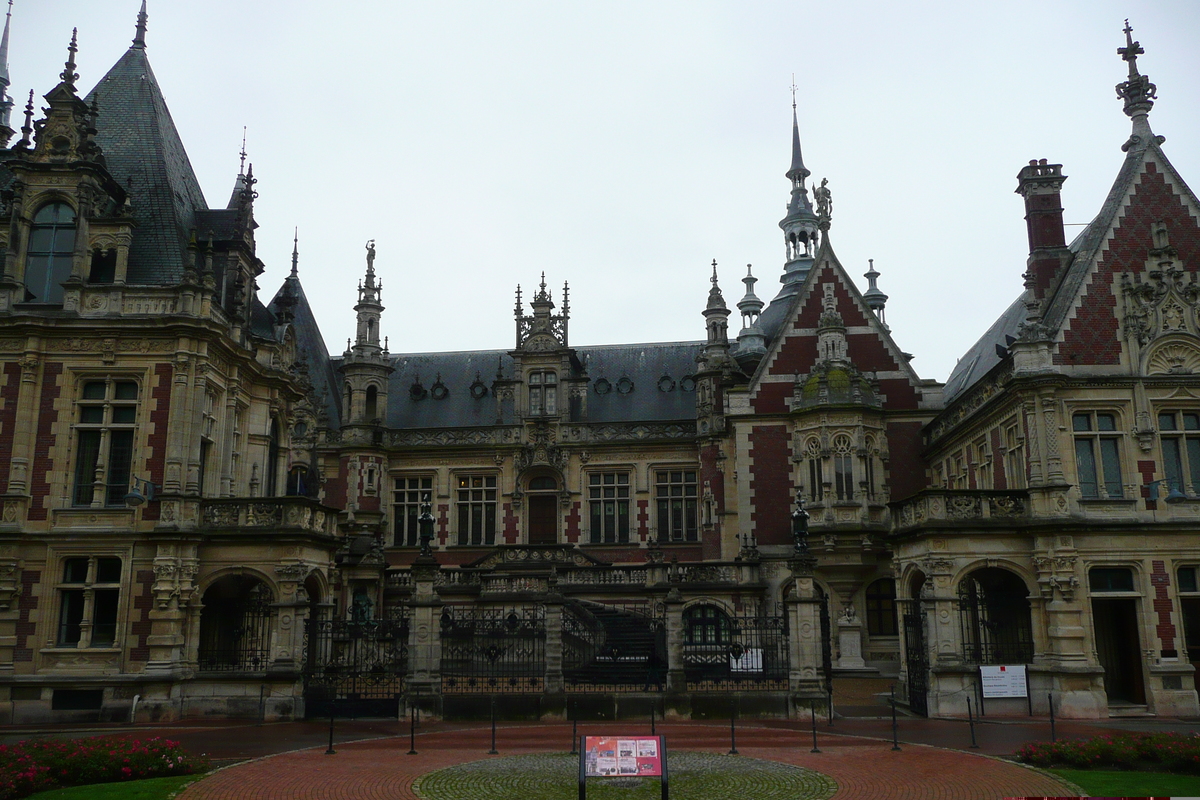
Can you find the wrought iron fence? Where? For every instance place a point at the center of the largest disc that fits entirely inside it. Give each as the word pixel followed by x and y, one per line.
pixel 749 654
pixel 235 632
pixel 613 647
pixel 996 625
pixel 916 655
pixel 500 649
pixel 359 666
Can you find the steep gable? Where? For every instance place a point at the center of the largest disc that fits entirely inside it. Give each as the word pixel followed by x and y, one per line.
pixel 1085 312
pixel 794 350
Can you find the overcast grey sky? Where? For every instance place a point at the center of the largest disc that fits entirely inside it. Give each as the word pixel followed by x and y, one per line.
pixel 623 146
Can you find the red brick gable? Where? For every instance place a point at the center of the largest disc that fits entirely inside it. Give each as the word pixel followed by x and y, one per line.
pixel 796 353
pixel 1091 335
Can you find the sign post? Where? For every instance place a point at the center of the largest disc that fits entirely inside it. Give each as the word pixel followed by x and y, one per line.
pixel 622 757
pixel 1005 680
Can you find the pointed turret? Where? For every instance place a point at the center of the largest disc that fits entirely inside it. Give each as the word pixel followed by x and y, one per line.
pixel 751 343
pixel 874 298
pixel 6 102
pixel 284 304
pixel 716 321
pixel 366 364
pixel 239 183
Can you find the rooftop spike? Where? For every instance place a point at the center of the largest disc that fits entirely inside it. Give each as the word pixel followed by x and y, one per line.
pixel 139 38
pixel 68 75
pixel 797 172
pixel 242 167
pixel 27 128
pixel 296 253
pixel 4 49
pixel 1137 92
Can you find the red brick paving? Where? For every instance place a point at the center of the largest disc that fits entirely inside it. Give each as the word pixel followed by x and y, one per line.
pixel 863 768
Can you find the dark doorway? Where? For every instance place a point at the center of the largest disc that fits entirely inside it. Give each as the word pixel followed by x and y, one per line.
pixel 1119 649
pixel 543 519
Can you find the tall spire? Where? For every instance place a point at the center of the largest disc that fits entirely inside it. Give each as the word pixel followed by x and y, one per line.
pixel 797 172
pixel 139 38
pixel 1137 92
pixel 800 224
pixel 68 75
pixel 6 102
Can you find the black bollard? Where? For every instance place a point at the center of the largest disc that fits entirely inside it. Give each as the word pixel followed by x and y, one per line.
pixel 1050 700
pixel 331 751
pixel 652 715
pixel 895 741
pixel 829 686
pixel 732 730
pixel 574 737
pixel 493 752
pixel 971 721
pixel 412 730
pixel 814 728
pixel 262 708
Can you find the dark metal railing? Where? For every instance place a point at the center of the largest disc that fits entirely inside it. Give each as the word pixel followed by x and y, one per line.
pixel 493 649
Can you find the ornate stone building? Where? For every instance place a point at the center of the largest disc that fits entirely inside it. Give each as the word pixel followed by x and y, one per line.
pixel 205 513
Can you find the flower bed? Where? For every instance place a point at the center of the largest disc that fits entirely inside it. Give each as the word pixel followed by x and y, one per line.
pixel 34 766
pixel 1167 752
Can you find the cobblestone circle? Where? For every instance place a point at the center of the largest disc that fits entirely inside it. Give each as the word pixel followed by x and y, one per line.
pixel 693 776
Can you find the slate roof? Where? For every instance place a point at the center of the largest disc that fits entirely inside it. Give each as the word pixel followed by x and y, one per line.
pixel 144 153
pixel 628 383
pixel 310 348
pixel 982 356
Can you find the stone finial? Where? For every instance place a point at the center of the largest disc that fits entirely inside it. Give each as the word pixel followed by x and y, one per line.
pixel 1137 92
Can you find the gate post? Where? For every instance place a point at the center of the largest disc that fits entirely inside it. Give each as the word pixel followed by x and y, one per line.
pixel 554 703
pixel 676 678
pixel 425 624
pixel 804 623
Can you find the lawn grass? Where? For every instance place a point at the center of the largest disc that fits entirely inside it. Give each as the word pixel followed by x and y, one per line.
pixel 1130 784
pixel 149 789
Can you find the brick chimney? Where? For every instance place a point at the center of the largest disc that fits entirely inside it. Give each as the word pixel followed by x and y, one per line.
pixel 1040 184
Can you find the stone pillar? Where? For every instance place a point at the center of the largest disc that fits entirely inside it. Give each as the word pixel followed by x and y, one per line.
pixel 175 570
pixel 425 634
pixel 554 702
pixel 804 624
pixel 676 679
pixel 290 608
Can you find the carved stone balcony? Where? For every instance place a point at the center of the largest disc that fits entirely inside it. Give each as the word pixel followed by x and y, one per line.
pixel 265 515
pixel 957 508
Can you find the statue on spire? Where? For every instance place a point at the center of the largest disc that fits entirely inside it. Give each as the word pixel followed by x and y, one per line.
pixel 824 200
pixel 371 257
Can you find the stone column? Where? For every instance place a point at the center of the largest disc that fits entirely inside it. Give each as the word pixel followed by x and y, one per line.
pixel 554 701
pixel 805 681
pixel 676 679
pixel 175 570
pixel 425 635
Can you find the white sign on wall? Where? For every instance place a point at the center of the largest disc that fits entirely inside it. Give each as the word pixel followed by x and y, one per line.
pixel 1004 681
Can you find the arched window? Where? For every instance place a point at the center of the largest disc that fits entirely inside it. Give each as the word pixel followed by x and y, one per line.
pixel 705 625
pixel 881 608
pixel 51 245
pixel 371 409
pixel 300 482
pixel 994 611
pixel 272 488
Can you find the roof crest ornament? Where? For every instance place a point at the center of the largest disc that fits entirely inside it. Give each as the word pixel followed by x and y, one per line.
pixel 296 253
pixel 242 168
pixel 139 38
pixel 27 128
pixel 68 75
pixel 1137 92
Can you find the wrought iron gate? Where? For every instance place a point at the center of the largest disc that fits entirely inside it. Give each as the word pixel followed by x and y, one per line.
pixel 916 656
pixel 749 654
pixel 355 668
pixel 613 648
pixel 498 649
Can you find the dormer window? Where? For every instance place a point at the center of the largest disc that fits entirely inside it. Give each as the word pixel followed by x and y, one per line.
pixel 51 246
pixel 543 394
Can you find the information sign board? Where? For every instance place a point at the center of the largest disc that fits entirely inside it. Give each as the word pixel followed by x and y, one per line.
pixel 1004 681
pixel 620 756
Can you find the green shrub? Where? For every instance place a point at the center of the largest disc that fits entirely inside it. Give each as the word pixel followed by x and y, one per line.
pixel 1172 752
pixel 34 766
